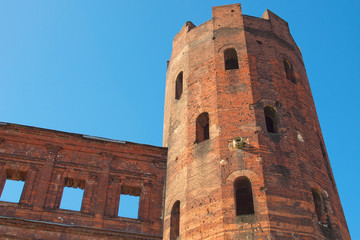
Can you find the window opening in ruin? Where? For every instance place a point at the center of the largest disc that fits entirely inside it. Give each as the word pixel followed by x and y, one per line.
pixel 72 194
pixel 175 221
pixel 202 127
pixel 129 202
pixel 14 185
pixel 231 59
pixel 243 196
pixel 179 86
pixel 271 119
pixel 289 71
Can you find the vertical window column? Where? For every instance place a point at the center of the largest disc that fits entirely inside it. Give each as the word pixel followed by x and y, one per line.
pixel 28 193
pixel 2 177
pixel 88 200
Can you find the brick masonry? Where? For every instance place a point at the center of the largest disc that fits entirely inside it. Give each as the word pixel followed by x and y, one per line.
pixel 284 167
pixel 293 189
pixel 49 157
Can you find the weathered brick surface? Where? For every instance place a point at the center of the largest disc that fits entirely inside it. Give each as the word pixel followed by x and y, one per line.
pixel 48 157
pixel 283 167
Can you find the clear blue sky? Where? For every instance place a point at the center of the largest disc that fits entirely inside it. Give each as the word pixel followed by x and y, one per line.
pixel 99 67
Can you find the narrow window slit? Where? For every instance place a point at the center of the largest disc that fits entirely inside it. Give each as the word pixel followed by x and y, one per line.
pixel 271 119
pixel 202 127
pixel 289 71
pixel 175 221
pixel 179 86
pixel 320 206
pixel 243 196
pixel 231 59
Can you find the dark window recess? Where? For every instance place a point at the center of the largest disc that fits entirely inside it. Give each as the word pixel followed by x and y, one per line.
pixel 72 195
pixel 289 71
pixel 243 196
pixel 14 185
pixel 322 149
pixel 271 119
pixel 202 127
pixel 319 203
pixel 175 221
pixel 179 86
pixel 231 59
pixel 129 202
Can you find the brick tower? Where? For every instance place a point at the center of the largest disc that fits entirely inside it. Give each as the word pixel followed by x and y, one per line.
pixel 246 157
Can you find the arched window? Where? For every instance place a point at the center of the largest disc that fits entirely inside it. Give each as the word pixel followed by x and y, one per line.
pixel 179 86
pixel 231 59
pixel 202 127
pixel 289 70
pixel 243 196
pixel 319 205
pixel 175 221
pixel 271 119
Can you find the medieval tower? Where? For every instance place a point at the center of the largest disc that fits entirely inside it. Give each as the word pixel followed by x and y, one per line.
pixel 246 158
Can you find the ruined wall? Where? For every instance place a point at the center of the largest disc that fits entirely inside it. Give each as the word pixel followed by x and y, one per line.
pixel 50 160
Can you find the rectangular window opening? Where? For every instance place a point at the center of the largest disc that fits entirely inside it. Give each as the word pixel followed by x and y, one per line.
pixel 129 202
pixel 72 194
pixel 14 185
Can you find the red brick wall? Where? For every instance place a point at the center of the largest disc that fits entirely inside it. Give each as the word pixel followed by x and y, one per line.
pixel 283 167
pixel 48 157
pixel 293 163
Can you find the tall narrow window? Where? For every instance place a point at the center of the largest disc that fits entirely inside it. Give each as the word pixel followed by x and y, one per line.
pixel 202 127
pixel 289 71
pixel 322 147
pixel 175 221
pixel 14 185
pixel 319 205
pixel 243 196
pixel 179 86
pixel 129 202
pixel 271 119
pixel 72 194
pixel 231 59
